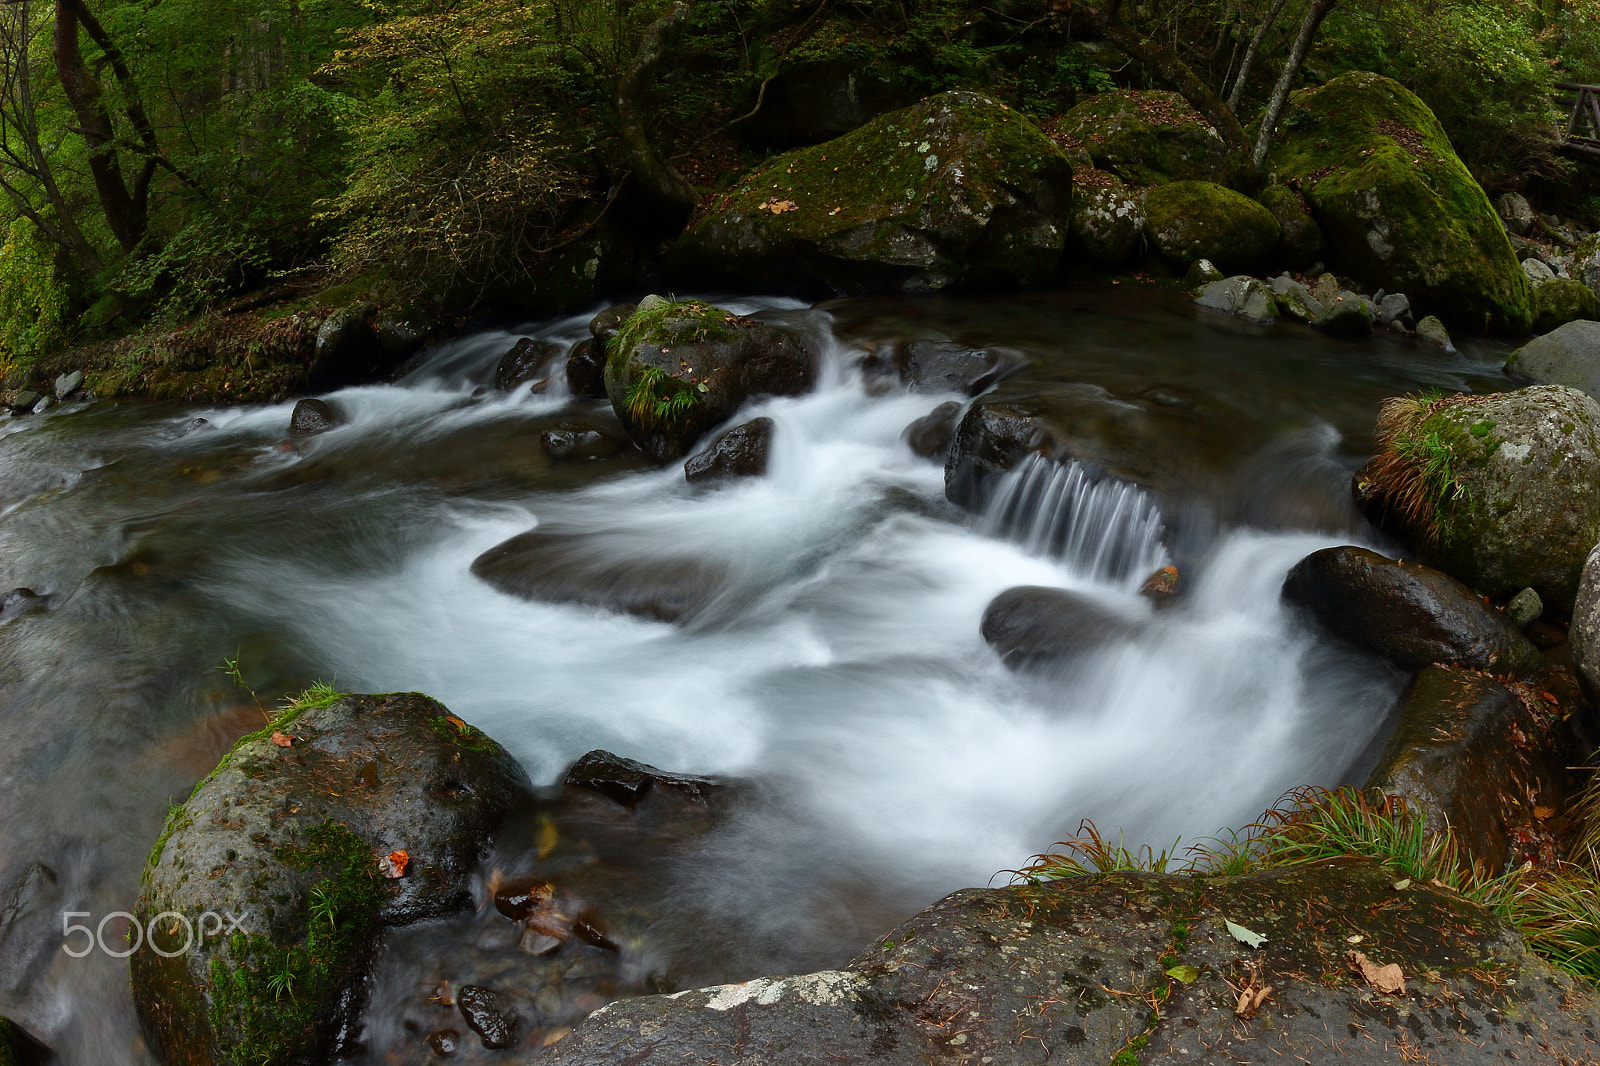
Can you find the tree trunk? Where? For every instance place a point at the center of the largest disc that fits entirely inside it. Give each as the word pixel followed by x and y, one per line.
pixel 1237 92
pixel 125 214
pixel 1107 19
pixel 664 188
pixel 1291 70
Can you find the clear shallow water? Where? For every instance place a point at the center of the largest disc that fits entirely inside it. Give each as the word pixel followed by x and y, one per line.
pixel 839 667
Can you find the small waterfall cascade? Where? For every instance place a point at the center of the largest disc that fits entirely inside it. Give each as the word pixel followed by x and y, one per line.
pixel 1103 529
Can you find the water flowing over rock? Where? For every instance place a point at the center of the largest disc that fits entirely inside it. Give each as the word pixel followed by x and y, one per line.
pixel 1032 626
pixel 1058 972
pixel 312 416
pixel 740 452
pixel 315 834
pixel 1398 208
pixel 1409 614
pixel 955 189
pixel 527 361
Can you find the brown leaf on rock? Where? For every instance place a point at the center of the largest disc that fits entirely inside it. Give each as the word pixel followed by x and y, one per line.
pixel 778 207
pixel 283 740
pixel 1386 979
pixel 393 864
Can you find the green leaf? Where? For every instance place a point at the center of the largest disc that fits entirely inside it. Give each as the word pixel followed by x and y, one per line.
pixel 1243 935
pixel 1402 885
pixel 1185 973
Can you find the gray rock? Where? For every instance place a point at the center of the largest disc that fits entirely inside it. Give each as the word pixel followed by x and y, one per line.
pixel 311 416
pixel 740 452
pixel 1295 299
pixel 1395 307
pixel 1202 272
pixel 67 384
pixel 1584 633
pixel 1567 355
pixel 1431 331
pixel 1326 288
pixel 1537 271
pixel 1242 296
pixel 1345 315
pixel 573 440
pixel 24 401
pixel 1409 614
pixel 1107 222
pixel 944 366
pixel 295 835
pixel 1058 973
pixel 1525 608
pixel 43 404
pixel 1516 213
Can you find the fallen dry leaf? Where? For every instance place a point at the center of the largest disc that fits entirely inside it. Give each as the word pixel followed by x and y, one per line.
pixel 393 864
pixel 283 740
pixel 778 207
pixel 1544 814
pixel 1250 1000
pixel 1386 979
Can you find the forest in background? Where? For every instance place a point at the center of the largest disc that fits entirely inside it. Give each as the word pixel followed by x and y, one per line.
pixel 162 157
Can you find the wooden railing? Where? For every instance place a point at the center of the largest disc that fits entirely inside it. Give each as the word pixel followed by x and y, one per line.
pixel 1583 127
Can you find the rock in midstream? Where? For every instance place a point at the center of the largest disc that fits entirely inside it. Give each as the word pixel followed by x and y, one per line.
pixel 737 453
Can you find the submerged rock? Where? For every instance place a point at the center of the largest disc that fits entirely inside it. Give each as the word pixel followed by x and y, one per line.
pixel 930 435
pixel 944 366
pixel 1409 614
pixel 740 452
pixel 1501 491
pixel 1467 752
pixel 955 189
pixel 572 439
pixel 1189 220
pixel 677 368
pixel 1569 355
pixel 1032 625
pixel 1395 204
pixel 314 834
pixel 1059 971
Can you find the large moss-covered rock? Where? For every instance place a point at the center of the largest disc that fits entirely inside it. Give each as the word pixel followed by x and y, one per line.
pixel 1190 220
pixel 677 368
pixel 955 189
pixel 1299 237
pixel 1501 491
pixel 1107 222
pixel 1145 137
pixel 283 867
pixel 1395 204
pixel 1561 300
pixel 1128 967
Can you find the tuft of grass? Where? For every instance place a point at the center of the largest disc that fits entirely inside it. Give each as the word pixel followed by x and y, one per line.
pixel 1088 852
pixel 656 400
pixel 1415 469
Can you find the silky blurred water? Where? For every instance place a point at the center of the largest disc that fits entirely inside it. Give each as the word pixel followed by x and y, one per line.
pixel 839 665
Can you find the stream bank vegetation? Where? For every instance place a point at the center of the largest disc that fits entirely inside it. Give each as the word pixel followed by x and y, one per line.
pixel 162 162
pixel 1555 907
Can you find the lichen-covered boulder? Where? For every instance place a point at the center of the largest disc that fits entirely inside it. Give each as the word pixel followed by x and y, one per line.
pixel 1567 355
pixel 1241 295
pixel 1299 237
pixel 1107 221
pixel 1584 633
pixel 1501 491
pixel 1067 972
pixel 1395 204
pixel 677 368
pixel 1145 137
pixel 1189 220
pixel 267 893
pixel 955 189
pixel 1558 301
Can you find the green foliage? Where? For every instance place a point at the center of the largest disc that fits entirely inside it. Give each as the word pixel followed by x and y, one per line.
pixel 655 400
pixel 34 302
pixel 209 258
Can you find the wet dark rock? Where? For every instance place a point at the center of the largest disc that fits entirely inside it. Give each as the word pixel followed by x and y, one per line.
pixel 574 440
pixel 346 350
pixel 401 335
pixel 586 369
pixel 563 568
pixel 489 1015
pixel 311 416
pixel 1162 586
pixel 606 324
pixel 1001 967
pixel 1032 624
pixel 628 782
pixel 198 424
pixel 444 1042
pixel 67 384
pixel 1346 316
pixel 528 360
pixel 24 401
pixel 1407 613
pixel 1467 750
pixel 740 452
pixel 681 367
pixel 285 837
pixel 930 435
pixel 944 366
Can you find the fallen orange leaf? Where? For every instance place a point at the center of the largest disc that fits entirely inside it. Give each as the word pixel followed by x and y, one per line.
pixel 283 740
pixel 1386 979
pixel 394 864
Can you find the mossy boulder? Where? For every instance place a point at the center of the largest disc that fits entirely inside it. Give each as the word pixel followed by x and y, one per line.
pixel 1397 207
pixel 677 368
pixel 1107 222
pixel 1299 237
pixel 1139 967
pixel 1561 300
pixel 267 893
pixel 1190 220
pixel 1501 491
pixel 1146 137
pixel 957 189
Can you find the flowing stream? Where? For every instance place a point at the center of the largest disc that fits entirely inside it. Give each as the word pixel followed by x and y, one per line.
pixel 839 668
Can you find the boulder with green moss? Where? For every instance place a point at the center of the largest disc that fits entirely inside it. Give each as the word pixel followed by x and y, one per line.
pixel 1190 220
pixel 1107 222
pixel 266 896
pixel 1145 137
pixel 1396 206
pixel 1558 301
pixel 955 189
pixel 1501 491
pixel 678 368
pixel 1299 237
